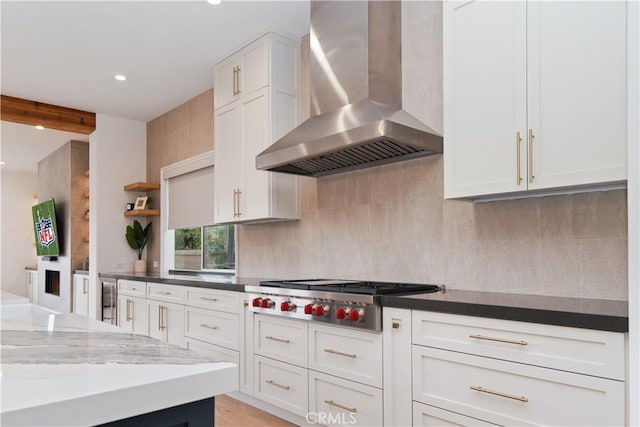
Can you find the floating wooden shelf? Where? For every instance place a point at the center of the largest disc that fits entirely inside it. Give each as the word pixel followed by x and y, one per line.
pixel 141 186
pixel 86 173
pixel 142 212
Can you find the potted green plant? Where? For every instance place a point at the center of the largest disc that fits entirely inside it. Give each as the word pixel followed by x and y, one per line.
pixel 137 237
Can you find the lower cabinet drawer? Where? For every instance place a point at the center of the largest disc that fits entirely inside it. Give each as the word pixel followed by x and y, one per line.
pixel 430 416
pixel 347 353
pixel 281 339
pixel 219 354
pixel 508 393
pixel 213 327
pixel 335 401
pixel 283 385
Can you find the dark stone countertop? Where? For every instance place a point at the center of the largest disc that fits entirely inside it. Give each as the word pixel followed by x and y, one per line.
pixel 231 283
pixel 605 315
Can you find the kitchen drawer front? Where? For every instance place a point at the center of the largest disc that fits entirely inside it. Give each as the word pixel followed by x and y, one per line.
pixel 214 299
pixel 132 288
pixel 168 293
pixel 343 402
pixel 508 393
pixel 219 354
pixel 281 384
pixel 350 354
pixel 281 339
pixel 585 351
pixel 213 327
pixel 430 416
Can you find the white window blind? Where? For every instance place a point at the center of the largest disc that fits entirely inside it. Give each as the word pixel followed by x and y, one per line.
pixel 191 199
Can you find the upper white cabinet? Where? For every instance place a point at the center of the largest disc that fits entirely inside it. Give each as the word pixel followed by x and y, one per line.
pixel 255 97
pixel 534 95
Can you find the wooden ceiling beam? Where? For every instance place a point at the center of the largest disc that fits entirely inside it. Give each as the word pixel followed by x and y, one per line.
pixel 34 113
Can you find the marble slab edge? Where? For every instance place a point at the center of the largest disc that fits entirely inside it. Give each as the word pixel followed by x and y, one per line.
pixel 237 286
pixel 602 322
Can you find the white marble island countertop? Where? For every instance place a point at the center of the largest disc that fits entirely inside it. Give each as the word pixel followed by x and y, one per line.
pixel 68 370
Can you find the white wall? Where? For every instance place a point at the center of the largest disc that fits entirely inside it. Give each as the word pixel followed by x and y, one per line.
pixel 117 157
pixel 16 238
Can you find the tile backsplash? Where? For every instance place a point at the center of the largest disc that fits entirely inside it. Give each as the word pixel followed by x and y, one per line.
pixel 392 223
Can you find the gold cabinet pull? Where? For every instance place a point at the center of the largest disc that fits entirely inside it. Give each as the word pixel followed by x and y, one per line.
pixel 395 325
pixel 236 202
pixel 518 172
pixel 277 339
pixel 498 393
pixel 506 340
pixel 85 286
pixel 339 353
pixel 235 73
pixel 204 325
pixel 245 304
pixel 209 299
pixel 160 317
pixel 237 84
pixel 238 192
pixel 337 405
pixel 273 383
pixel 530 157
pixel 129 311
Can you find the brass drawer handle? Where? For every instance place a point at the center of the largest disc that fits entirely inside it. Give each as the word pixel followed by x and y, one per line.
pixel 339 353
pixel 277 339
pixel 531 175
pixel 209 299
pixel 518 172
pixel 395 325
pixel 204 325
pixel 273 383
pixel 497 393
pixel 506 340
pixel 337 405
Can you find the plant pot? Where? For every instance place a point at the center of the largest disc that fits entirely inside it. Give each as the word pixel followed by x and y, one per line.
pixel 140 266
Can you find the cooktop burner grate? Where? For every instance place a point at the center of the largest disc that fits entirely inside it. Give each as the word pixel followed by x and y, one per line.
pixel 351 286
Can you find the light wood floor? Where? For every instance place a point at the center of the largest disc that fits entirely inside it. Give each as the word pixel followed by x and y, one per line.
pixel 233 413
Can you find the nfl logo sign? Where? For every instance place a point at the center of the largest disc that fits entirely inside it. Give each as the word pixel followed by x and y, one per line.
pixel 45 231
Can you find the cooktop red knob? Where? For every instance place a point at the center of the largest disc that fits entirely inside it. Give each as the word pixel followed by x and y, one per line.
pixel 256 302
pixel 267 303
pixel 354 315
pixel 319 311
pixel 341 313
pixel 308 309
pixel 284 306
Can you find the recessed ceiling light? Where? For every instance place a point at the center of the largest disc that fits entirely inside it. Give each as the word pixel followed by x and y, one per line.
pixel 214 1
pixel 120 77
pixel 39 127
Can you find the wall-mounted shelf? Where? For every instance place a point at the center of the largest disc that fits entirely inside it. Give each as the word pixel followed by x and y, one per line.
pixel 141 186
pixel 142 212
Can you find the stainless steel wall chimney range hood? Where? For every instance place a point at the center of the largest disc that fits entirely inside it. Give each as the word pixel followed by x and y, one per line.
pixel 357 118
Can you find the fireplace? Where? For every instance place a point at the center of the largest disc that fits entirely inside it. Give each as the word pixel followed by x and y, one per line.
pixel 52 282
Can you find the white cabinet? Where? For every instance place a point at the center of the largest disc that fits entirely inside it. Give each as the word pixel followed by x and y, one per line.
pixel 282 385
pixel 547 110
pixel 396 354
pixel 132 306
pixel 242 73
pixel 132 314
pixel 515 373
pixel 81 294
pixel 259 109
pixel 282 339
pixel 431 416
pixel 32 286
pixel 165 305
pixel 246 362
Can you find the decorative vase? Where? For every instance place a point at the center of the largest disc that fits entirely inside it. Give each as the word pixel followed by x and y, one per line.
pixel 140 266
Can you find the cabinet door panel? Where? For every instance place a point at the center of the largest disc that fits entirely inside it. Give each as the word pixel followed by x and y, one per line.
pixel 166 322
pixel 255 196
pixel 484 96
pixel 228 146
pixel 577 92
pixel 223 82
pixel 254 68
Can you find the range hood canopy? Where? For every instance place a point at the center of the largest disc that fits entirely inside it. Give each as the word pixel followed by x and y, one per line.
pixel 357 118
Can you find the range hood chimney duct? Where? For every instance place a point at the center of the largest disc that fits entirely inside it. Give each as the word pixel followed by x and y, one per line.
pixel 357 118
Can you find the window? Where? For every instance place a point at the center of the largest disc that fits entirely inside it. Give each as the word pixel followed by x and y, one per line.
pixel 210 247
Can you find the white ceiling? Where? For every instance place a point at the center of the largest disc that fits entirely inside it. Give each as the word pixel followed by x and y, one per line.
pixel 67 52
